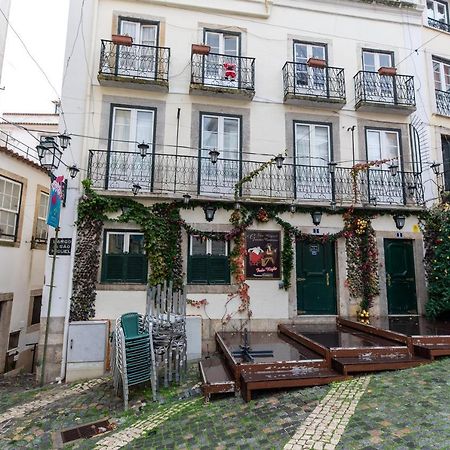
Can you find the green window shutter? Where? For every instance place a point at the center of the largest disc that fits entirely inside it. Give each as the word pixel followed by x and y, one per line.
pixel 197 269
pixel 136 268
pixel 113 267
pixel 446 161
pixel 218 270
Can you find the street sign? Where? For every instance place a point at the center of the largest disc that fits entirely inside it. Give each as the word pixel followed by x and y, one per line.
pixel 63 246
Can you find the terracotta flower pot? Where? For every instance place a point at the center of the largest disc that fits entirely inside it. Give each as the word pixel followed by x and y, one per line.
pixel 317 63
pixel 120 39
pixel 200 49
pixel 389 71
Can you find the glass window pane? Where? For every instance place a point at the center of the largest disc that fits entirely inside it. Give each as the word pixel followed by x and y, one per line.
pixel 136 244
pixel 300 53
pixel 385 60
pixel 437 75
pixel 148 35
pixel 303 143
pixel 218 248
pixel 369 61
pixel 373 145
pixel 121 129
pixel 390 147
pixel 213 40
pixel 231 138
pixel 318 52
pixel 210 132
pixel 198 246
pixel 144 127
pixel 116 243
pixel 231 45
pixel 321 150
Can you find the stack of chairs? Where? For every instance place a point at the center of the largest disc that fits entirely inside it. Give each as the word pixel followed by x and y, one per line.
pixel 166 310
pixel 133 360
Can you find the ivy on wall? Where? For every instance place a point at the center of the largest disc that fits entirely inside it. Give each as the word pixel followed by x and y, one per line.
pixel 435 224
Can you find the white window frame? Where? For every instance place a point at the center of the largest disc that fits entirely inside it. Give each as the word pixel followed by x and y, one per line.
pixel 435 4
pixel 11 238
pixel 382 132
pixel 442 81
pixel 126 240
pixel 42 219
pixel 313 161
pixel 208 246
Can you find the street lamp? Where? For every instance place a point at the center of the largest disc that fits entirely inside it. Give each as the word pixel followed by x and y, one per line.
pixel 316 217
pixel 373 201
pixel 213 156
pixel 393 168
pixel 64 140
pixel 209 210
pixel 333 205
pixel 73 171
pixel 143 149
pixel 237 206
pixel 186 199
pixel 135 189
pixel 399 220
pixel 332 167
pixel 435 167
pixel 49 153
pixel 279 161
pixel 293 208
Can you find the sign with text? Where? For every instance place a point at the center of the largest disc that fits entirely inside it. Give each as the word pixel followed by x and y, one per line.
pixel 263 255
pixel 63 246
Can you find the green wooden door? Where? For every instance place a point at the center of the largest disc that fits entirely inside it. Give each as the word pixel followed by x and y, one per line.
pixel 400 278
pixel 316 286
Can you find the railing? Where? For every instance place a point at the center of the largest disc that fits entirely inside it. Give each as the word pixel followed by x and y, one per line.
pixel 444 26
pixel 223 71
pixel 303 80
pixel 142 62
pixel 165 174
pixel 372 87
pixel 443 102
pixel 18 147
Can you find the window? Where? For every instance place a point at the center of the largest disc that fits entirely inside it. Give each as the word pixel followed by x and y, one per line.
pixel 124 259
pixel 10 193
pixel 441 75
pixel 445 141
pixel 382 144
pixel 223 134
pixel 41 221
pixel 437 11
pixel 208 261
pixel 140 59
pixel 374 59
pixel 36 309
pixel 130 125
pixel 13 340
pixel 305 76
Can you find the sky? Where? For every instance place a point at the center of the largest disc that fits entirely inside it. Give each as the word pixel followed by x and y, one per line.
pixel 42 26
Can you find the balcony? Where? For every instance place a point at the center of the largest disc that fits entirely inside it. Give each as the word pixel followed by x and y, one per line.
pixel 443 102
pixel 391 93
pixel 135 66
pixel 165 174
pixel 438 25
pixel 307 85
pixel 230 76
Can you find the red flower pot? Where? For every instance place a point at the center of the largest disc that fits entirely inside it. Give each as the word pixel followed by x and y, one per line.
pixel 388 71
pixel 317 63
pixel 200 49
pixel 120 39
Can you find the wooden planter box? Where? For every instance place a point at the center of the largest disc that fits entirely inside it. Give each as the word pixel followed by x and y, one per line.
pixel 317 63
pixel 200 49
pixel 389 71
pixel 120 39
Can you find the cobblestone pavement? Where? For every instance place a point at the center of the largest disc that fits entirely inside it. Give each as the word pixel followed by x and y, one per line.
pixel 408 409
pixel 326 424
pixel 398 410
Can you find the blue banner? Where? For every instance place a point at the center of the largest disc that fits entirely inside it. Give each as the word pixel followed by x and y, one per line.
pixel 54 209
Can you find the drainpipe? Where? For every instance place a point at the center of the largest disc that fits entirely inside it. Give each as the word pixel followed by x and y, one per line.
pixel 176 151
pixel 352 129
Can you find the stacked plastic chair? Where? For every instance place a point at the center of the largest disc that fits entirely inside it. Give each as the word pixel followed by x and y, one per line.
pixel 132 359
pixel 166 310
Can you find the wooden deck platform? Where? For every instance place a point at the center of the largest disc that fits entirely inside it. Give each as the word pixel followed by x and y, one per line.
pixel 298 356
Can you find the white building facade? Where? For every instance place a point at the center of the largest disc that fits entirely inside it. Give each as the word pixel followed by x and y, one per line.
pixel 327 84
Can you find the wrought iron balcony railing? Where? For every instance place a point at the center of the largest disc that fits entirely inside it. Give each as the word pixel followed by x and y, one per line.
pixel 138 62
pixel 165 174
pixel 319 83
pixel 444 26
pixel 223 71
pixel 443 102
pixel 396 90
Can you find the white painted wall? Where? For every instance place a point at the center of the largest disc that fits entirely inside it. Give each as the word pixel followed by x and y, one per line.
pixel 4 6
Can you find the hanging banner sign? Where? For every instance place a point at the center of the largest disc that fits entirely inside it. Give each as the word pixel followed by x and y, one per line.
pixel 263 255
pixel 56 195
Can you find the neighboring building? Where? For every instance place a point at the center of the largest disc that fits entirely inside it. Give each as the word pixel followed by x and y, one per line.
pixel 24 199
pixel 255 94
pixel 25 129
pixel 4 7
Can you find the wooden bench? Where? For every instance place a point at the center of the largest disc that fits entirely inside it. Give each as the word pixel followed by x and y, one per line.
pixel 216 378
pixel 432 350
pixel 355 364
pixel 252 381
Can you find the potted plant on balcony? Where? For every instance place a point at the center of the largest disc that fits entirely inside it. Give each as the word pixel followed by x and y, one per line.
pixel 120 39
pixel 317 63
pixel 200 49
pixel 389 71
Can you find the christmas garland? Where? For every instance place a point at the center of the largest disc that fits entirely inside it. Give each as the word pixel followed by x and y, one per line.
pixel 435 225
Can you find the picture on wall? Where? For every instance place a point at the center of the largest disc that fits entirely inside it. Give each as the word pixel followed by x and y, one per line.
pixel 263 255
